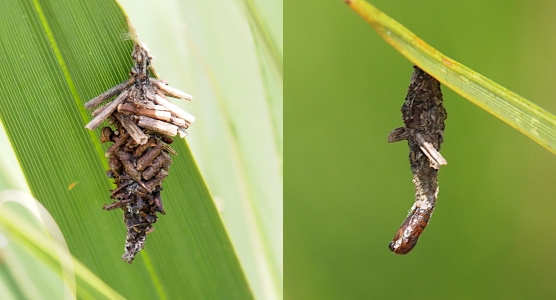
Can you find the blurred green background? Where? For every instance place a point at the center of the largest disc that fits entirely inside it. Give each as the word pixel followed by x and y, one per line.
pixel 347 191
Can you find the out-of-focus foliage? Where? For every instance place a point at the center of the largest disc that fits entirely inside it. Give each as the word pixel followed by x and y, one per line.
pixel 347 190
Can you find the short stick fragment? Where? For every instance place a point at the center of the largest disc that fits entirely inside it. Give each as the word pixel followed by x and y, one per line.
pixel 117 144
pixel 148 157
pixel 151 170
pixel 96 121
pixel 177 121
pixel 118 204
pixel 157 180
pixel 150 105
pixel 122 185
pixel 142 148
pixel 127 160
pixel 108 94
pixel 170 91
pixel 149 218
pixel 136 133
pixel 131 110
pixel 436 159
pixel 160 107
pixel 158 126
pixel 99 109
pixel 141 183
pixel 180 113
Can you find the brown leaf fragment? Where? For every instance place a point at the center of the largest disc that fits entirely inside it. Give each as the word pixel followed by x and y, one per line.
pixel 398 134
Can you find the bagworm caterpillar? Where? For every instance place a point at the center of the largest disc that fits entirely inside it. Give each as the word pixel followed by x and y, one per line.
pixel 423 115
pixel 143 121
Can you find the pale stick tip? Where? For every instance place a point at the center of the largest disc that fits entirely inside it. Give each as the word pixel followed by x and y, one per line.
pixel 158 126
pixel 436 159
pixel 182 132
pixel 172 92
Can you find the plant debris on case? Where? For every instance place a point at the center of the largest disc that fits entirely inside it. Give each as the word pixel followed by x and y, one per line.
pixel 423 115
pixel 143 121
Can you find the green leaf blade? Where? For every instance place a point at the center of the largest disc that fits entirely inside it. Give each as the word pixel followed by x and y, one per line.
pixel 528 118
pixel 190 252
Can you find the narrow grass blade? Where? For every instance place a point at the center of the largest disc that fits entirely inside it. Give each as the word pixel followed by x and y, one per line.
pixel 266 34
pixel 531 120
pixel 48 248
